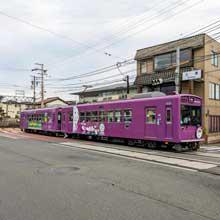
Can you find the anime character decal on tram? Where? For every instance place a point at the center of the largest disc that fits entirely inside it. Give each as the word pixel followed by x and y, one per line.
pixel 155 120
pixel 86 127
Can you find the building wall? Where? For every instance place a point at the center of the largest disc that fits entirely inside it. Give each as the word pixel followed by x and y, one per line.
pixel 212 74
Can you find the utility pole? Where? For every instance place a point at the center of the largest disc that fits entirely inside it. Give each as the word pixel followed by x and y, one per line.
pixel 126 78
pixel 33 86
pixel 177 72
pixel 42 74
pixel 128 84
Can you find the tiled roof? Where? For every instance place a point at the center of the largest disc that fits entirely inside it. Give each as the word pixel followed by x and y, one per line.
pixel 51 99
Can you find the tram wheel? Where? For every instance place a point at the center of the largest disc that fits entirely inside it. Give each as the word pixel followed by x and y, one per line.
pixel 178 148
pixel 151 145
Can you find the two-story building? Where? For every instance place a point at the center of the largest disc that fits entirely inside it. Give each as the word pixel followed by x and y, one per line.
pixel 198 73
pixel 106 93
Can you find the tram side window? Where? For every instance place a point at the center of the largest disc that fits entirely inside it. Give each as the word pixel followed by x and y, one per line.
pixel 40 118
pixel 88 116
pixel 82 116
pixel 127 115
pixel 102 116
pixel 151 116
pixel 45 117
pixel 70 116
pixel 168 115
pixel 117 116
pixel 110 116
pixel 49 118
pixel 94 116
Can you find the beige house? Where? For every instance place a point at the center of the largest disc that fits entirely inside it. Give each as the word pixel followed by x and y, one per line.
pixel 106 93
pixel 12 109
pixel 199 74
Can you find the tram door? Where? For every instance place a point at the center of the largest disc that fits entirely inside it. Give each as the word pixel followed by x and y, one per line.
pixel 169 121
pixel 151 123
pixel 59 120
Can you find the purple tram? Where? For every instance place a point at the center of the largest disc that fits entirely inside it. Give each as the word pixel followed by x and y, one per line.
pixel 173 121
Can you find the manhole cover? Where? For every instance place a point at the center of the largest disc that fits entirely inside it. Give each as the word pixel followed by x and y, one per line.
pixel 58 170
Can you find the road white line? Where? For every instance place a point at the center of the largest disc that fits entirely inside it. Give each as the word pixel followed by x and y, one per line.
pixel 159 159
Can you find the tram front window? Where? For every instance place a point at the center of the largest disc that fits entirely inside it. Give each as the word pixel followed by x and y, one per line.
pixel 190 115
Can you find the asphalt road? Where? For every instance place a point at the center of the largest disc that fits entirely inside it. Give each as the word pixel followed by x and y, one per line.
pixel 43 181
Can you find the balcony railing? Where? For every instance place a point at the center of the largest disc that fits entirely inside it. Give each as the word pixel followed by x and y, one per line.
pixel 167 76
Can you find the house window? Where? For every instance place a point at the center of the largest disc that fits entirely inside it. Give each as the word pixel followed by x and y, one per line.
pixel 214 59
pixel 214 91
pixel 151 116
pixel 214 123
pixel 217 92
pixel 211 90
pixel 143 67
pixel 163 61
pixel 166 61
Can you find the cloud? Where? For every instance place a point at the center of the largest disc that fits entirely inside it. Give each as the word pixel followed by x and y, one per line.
pixel 95 22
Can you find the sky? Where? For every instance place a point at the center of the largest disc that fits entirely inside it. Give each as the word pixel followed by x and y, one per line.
pixel 72 38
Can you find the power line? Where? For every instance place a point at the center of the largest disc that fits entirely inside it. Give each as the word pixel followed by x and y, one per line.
pixel 92 81
pixel 113 67
pixel 164 12
pixel 95 72
pixel 152 25
pixel 52 32
pixel 195 60
pixel 94 85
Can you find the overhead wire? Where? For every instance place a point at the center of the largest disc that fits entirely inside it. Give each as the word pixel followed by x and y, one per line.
pixel 159 15
pixel 51 32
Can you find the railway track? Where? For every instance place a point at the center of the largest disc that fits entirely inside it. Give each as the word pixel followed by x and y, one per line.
pixel 177 162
